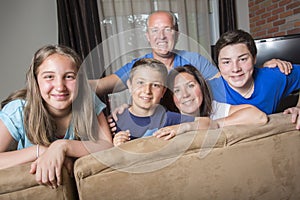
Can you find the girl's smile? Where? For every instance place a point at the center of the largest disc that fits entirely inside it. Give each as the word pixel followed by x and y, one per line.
pixel 57 83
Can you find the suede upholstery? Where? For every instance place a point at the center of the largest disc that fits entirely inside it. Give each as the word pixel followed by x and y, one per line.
pixel 17 183
pixel 238 162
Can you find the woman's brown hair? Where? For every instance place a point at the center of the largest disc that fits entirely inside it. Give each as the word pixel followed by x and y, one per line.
pixel 206 106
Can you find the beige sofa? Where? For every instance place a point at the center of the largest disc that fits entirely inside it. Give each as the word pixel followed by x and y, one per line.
pixel 238 162
pixel 17 183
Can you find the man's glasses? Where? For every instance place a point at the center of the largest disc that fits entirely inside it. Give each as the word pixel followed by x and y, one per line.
pixel 166 30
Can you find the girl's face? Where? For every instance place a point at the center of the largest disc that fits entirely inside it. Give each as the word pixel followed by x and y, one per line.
pixel 56 78
pixel 147 88
pixel 236 65
pixel 187 94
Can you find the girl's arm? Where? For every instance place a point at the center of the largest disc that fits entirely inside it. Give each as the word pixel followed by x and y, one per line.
pixel 104 130
pixel 14 157
pixel 243 114
pixel 48 166
pixel 74 148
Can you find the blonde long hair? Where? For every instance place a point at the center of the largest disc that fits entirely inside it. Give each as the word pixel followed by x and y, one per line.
pixel 39 125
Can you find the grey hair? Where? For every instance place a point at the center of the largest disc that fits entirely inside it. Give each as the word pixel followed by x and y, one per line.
pixel 173 16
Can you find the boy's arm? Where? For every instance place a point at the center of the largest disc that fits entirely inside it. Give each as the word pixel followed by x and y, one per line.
pixel 295 111
pixel 121 137
pixel 243 114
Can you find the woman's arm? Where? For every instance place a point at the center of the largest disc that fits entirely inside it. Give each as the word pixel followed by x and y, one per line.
pixel 169 132
pixel 240 114
pixel 243 114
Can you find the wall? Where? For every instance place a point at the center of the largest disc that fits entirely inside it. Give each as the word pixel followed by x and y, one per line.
pixel 242 13
pixel 25 27
pixel 269 18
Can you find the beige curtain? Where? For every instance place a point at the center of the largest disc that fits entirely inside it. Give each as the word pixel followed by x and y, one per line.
pixel 123 25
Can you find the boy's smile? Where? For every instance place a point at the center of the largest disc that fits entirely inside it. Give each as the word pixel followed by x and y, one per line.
pixel 146 88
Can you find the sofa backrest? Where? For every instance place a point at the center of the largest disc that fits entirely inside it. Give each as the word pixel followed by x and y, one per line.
pixel 232 163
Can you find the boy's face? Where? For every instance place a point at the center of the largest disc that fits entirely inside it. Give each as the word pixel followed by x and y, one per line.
pixel 146 88
pixel 236 65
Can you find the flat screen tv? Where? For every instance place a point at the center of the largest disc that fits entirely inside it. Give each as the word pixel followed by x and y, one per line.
pixel 283 47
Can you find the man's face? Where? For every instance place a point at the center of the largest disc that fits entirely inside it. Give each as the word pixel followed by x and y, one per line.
pixel 161 34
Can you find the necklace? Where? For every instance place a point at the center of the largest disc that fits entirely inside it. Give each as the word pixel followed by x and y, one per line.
pixel 249 90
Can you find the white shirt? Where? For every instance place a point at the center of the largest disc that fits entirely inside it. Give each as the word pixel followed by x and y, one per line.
pixel 219 110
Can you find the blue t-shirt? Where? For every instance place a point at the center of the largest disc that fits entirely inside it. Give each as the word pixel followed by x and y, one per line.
pixel 146 126
pixel 270 86
pixel 12 116
pixel 206 68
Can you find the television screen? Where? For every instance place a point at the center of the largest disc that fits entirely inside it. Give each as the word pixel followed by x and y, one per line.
pixel 283 47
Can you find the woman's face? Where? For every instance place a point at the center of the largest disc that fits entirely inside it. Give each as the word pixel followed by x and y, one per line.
pixel 187 94
pixel 236 65
pixel 56 78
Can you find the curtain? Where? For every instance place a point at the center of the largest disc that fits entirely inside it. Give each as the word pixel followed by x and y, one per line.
pixel 227 15
pixel 79 28
pixel 123 25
